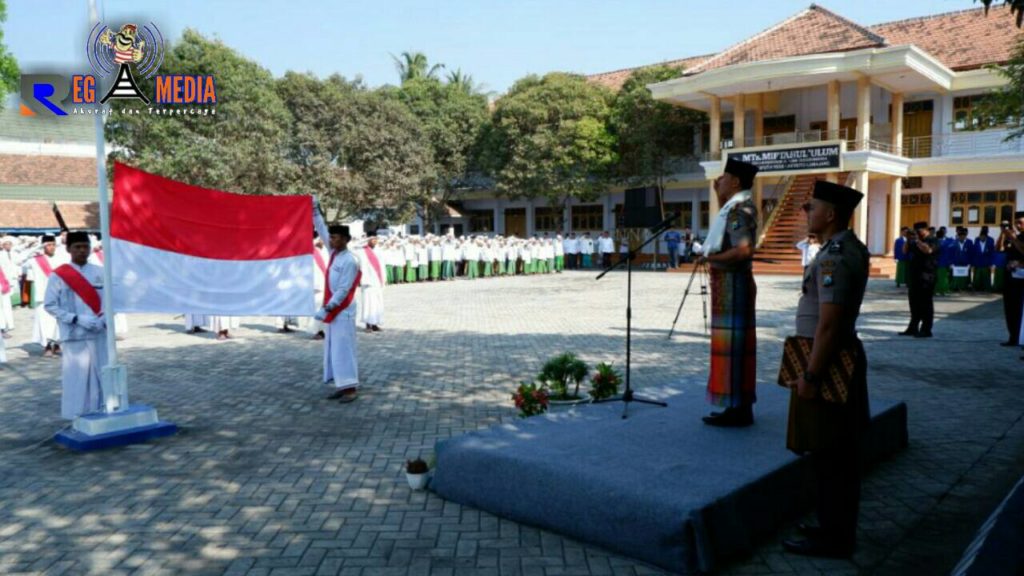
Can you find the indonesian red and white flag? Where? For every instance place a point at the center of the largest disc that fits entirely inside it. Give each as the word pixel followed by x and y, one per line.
pixel 179 248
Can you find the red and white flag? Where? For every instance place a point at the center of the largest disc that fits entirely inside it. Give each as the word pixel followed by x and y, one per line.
pixel 179 248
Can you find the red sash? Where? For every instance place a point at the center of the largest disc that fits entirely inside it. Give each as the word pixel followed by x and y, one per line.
pixel 5 286
pixel 375 263
pixel 74 279
pixel 320 261
pixel 99 255
pixel 348 297
pixel 44 265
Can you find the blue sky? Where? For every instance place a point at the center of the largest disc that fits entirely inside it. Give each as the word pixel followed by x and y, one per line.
pixel 496 41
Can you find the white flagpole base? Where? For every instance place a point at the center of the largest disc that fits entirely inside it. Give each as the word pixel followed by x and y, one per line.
pixel 100 430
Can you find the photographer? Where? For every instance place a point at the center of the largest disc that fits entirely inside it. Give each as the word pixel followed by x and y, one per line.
pixel 921 275
pixel 1011 242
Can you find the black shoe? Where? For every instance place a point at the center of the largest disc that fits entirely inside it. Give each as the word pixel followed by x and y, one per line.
pixel 923 335
pixel 817 548
pixel 908 332
pixel 809 530
pixel 1008 343
pixel 336 395
pixel 731 418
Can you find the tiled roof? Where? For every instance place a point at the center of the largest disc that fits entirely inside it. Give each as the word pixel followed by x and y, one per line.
pixel 67 129
pixel 21 214
pixel 961 40
pixel 813 31
pixel 22 170
pixel 616 78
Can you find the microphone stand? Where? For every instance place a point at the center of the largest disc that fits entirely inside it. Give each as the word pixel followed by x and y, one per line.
pixel 627 396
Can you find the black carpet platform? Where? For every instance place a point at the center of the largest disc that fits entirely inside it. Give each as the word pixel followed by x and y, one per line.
pixel 660 486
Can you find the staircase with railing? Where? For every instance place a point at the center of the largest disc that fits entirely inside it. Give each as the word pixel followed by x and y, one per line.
pixel 783 228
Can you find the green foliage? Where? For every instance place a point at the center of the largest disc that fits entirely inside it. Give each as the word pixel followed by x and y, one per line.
pixel 9 74
pixel 414 65
pixel 451 116
pixel 653 137
pixel 549 138
pixel 1005 106
pixel 605 381
pixel 560 371
pixel 240 149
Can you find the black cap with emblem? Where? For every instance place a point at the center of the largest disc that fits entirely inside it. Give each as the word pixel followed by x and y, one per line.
pixel 842 197
pixel 745 171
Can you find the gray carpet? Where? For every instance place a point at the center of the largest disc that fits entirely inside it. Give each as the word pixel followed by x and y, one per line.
pixel 660 486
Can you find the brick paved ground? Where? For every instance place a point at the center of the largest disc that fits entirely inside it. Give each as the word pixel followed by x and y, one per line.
pixel 266 477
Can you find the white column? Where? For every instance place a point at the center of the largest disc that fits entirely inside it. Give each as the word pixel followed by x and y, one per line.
pixel 529 219
pixel 863 185
pixel 739 121
pixel 897 123
pixel 892 227
pixel 863 112
pixel 715 123
pixel 499 217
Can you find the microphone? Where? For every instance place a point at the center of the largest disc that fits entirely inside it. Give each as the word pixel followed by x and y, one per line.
pixel 664 224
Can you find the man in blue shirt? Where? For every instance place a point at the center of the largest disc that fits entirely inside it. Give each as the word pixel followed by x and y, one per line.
pixel 901 258
pixel 672 240
pixel 962 257
pixel 944 261
pixel 981 260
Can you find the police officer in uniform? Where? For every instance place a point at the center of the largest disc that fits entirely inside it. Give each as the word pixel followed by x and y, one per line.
pixel 921 276
pixel 833 290
pixel 1011 242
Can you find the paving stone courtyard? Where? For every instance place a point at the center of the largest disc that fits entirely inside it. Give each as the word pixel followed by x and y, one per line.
pixel 268 478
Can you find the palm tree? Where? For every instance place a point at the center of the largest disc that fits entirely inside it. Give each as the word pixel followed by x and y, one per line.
pixel 414 65
pixel 464 82
pixel 1016 7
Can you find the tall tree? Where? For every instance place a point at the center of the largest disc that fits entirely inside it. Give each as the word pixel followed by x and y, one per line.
pixel 1016 7
pixel 8 67
pixel 654 138
pixel 413 65
pixel 451 116
pixel 241 148
pixel 1005 106
pixel 549 138
pixel 361 152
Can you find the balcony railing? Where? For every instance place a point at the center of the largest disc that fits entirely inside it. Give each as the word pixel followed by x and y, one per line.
pixel 981 143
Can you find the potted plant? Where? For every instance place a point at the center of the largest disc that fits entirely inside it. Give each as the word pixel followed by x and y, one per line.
pixel 416 473
pixel 605 382
pixel 559 373
pixel 531 399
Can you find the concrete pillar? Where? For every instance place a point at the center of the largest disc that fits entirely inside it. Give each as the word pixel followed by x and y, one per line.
pixel 529 219
pixel 715 125
pixel 499 217
pixel 712 203
pixel 759 120
pixel 860 223
pixel 739 122
pixel 892 227
pixel 897 124
pixel 758 194
pixel 863 112
pixel 566 219
pixel 833 111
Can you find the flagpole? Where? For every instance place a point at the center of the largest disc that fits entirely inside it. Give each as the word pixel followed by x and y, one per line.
pixel 116 392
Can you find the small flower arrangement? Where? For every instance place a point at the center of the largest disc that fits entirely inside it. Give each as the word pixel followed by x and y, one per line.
pixel 530 399
pixel 605 382
pixel 417 466
pixel 561 371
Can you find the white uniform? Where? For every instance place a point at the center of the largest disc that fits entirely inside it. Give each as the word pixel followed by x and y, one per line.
pixel 11 271
pixel 195 321
pixel 372 287
pixel 317 326
pixel 84 346
pixel 44 326
pixel 340 362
